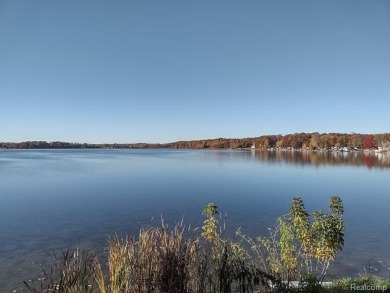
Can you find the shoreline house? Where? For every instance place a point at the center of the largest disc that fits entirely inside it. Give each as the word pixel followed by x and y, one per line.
pixel 384 147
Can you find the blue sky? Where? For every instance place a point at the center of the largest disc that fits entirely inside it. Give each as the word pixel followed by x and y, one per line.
pixel 160 70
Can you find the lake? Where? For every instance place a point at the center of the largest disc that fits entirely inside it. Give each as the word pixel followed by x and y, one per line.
pixel 54 199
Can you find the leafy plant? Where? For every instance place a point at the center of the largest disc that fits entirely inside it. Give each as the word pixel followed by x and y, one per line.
pixel 210 227
pixel 298 246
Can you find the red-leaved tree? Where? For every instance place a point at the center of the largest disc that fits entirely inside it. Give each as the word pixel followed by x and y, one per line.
pixel 369 142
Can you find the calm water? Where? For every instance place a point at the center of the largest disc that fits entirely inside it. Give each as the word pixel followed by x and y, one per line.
pixel 55 199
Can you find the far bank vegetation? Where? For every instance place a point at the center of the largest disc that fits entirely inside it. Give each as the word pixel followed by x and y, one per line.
pixel 312 141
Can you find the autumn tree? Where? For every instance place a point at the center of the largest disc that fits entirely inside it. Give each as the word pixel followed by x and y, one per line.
pixel 314 141
pixel 324 141
pixel 342 140
pixel 355 140
pixel 369 142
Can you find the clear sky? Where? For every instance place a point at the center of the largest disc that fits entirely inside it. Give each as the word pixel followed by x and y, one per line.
pixel 161 70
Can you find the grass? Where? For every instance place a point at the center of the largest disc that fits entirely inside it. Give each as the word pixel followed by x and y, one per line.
pixel 363 283
pixel 73 272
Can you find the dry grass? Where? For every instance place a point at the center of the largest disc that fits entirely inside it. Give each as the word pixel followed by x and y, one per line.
pixel 73 272
pixel 159 260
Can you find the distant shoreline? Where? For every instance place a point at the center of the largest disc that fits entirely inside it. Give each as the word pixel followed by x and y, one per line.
pixel 297 141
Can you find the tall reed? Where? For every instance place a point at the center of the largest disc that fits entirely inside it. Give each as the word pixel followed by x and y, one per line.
pixel 159 261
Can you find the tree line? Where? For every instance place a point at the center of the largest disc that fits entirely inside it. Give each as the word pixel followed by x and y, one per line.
pixel 302 140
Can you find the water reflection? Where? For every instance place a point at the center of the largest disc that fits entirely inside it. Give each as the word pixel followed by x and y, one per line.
pixel 317 158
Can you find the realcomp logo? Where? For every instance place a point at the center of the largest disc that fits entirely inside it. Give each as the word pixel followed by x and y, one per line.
pixel 373 288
